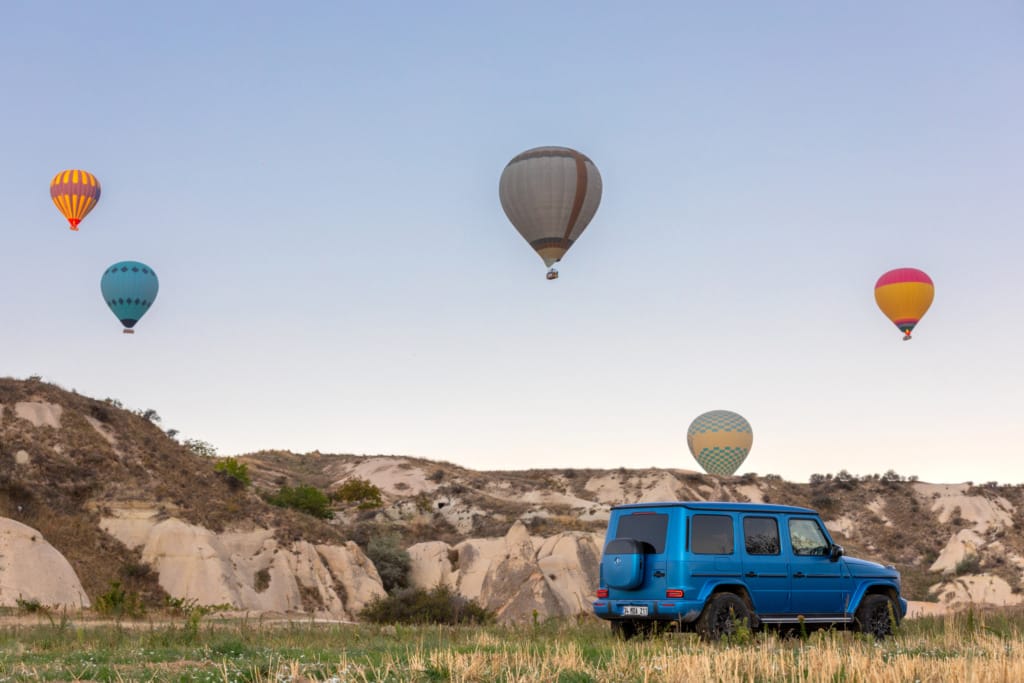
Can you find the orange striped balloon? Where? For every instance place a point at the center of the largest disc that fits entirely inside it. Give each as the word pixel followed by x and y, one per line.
pixel 75 193
pixel 904 295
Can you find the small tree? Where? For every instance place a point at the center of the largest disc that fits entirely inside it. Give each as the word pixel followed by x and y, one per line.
pixel 360 491
pixel 391 560
pixel 237 473
pixel 200 447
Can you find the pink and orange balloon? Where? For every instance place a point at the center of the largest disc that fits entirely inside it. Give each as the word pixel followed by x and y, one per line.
pixel 904 295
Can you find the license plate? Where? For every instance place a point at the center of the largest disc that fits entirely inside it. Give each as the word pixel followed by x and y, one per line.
pixel 634 611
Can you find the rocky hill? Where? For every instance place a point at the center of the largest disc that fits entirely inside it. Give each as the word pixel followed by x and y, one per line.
pixel 113 496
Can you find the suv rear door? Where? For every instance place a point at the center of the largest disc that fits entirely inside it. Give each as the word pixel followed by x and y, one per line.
pixel 765 567
pixel 820 586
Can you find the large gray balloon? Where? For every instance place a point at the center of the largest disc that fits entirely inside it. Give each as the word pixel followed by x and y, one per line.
pixel 550 194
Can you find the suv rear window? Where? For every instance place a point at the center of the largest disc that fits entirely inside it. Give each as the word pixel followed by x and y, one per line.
pixel 711 535
pixel 761 535
pixel 648 527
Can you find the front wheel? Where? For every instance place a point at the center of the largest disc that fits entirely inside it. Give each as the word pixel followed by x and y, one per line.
pixel 877 615
pixel 724 615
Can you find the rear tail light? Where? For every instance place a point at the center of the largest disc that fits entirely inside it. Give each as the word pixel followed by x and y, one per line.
pixel 602 592
pixel 674 593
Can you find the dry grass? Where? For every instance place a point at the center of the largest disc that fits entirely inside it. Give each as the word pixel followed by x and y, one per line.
pixel 969 647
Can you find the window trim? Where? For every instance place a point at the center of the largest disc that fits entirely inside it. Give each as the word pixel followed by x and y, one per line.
pixel 818 524
pixel 732 527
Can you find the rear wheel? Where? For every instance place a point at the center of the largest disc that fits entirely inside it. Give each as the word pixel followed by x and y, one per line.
pixel 877 615
pixel 724 615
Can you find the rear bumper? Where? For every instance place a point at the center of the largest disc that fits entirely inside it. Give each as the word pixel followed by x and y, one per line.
pixel 657 610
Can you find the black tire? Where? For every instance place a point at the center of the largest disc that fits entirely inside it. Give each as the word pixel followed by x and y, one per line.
pixel 877 615
pixel 724 614
pixel 625 629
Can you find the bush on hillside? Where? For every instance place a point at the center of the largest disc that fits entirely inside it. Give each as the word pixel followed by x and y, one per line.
pixel 236 473
pixel 308 499
pixel 359 491
pixel 417 606
pixel 391 560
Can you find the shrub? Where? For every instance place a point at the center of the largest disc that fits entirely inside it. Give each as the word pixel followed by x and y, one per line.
pixel 135 570
pixel 118 602
pixel 308 499
pixel 417 606
pixel 391 560
pixel 971 564
pixel 237 473
pixel 261 580
pixel 30 606
pixel 360 491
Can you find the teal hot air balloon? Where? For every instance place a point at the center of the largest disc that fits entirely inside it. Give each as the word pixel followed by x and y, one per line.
pixel 129 288
pixel 720 441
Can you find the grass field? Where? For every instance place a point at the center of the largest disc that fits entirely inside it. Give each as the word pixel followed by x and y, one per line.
pixel 974 646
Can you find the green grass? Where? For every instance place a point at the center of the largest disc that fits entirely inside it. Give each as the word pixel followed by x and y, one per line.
pixel 986 645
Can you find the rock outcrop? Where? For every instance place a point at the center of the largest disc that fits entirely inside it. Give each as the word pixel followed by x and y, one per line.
pixel 33 570
pixel 250 570
pixel 519 577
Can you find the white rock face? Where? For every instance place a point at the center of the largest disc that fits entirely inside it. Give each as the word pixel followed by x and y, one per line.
pixel 32 569
pixel 979 589
pixel 130 523
pixel 40 414
pixel 964 543
pixel 985 513
pixel 192 563
pixel 514 575
pixel 249 570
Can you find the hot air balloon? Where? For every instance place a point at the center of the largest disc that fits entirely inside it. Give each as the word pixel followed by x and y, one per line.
pixel 550 194
pixel 904 295
pixel 720 441
pixel 129 288
pixel 75 193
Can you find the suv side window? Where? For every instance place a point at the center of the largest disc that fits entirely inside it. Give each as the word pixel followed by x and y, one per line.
pixel 711 535
pixel 806 538
pixel 761 535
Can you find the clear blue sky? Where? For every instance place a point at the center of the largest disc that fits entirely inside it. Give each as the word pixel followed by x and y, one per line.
pixel 316 185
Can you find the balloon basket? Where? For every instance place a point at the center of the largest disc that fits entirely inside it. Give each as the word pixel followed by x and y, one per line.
pixel 127 331
pixel 552 274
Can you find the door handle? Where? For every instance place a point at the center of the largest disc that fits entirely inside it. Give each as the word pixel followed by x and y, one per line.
pixel 798 575
pixel 659 574
pixel 751 574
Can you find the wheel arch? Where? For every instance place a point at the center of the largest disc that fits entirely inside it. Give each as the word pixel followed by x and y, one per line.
pixel 737 589
pixel 886 589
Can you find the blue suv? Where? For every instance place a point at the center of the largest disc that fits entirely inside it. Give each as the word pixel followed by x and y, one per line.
pixel 711 566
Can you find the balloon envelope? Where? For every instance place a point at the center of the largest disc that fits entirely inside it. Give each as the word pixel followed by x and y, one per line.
pixel 129 288
pixel 550 194
pixel 904 295
pixel 720 441
pixel 75 194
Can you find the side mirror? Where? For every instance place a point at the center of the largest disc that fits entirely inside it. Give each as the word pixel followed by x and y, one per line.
pixel 835 552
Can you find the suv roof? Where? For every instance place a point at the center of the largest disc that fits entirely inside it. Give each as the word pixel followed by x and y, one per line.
pixel 721 507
